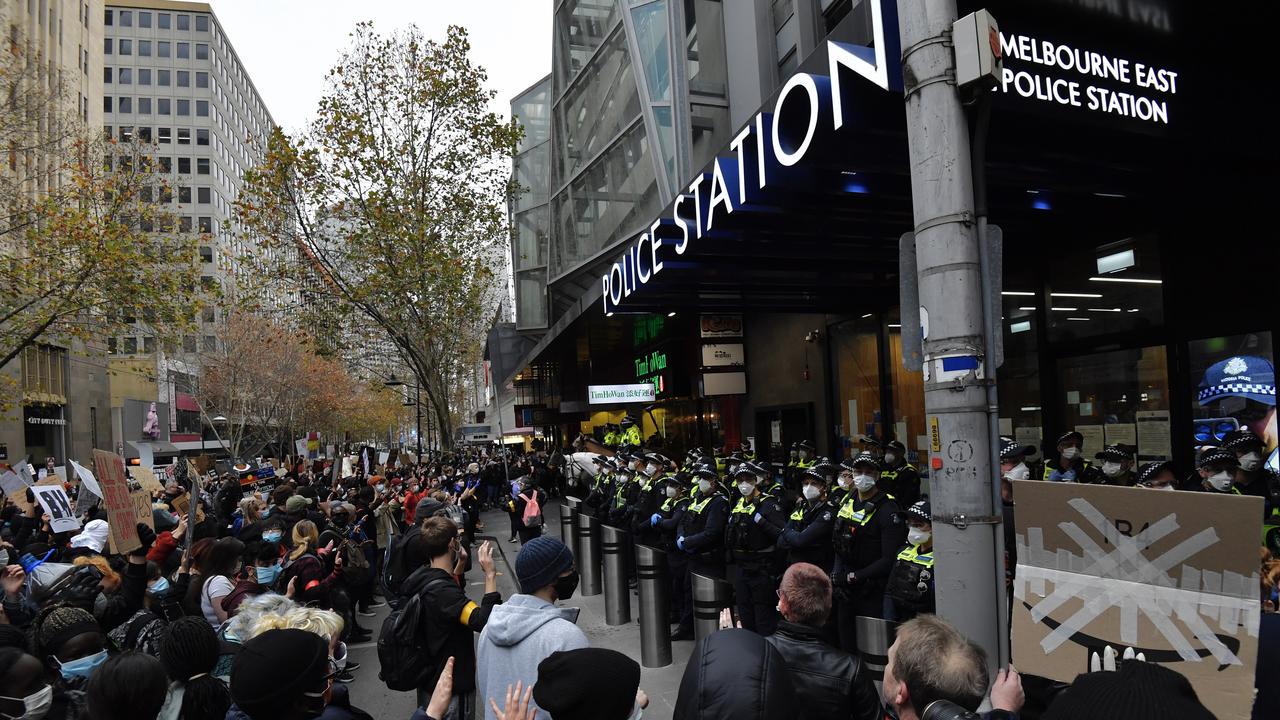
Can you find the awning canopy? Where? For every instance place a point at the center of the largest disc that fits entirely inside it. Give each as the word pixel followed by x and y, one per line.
pixel 158 447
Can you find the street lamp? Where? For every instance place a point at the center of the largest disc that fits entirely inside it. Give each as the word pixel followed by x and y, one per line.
pixel 393 381
pixel 212 420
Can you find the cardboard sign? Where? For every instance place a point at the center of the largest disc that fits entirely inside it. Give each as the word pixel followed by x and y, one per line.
pixel 87 480
pixel 204 464
pixel 109 470
pixel 1173 575
pixel 142 508
pixel 11 482
pixel 182 504
pixel 405 460
pixel 54 500
pixel 147 479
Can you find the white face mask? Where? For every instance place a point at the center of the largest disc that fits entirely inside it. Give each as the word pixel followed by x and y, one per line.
pixel 1018 472
pixel 864 483
pixel 650 469
pixel 746 488
pixel 811 492
pixel 1221 481
pixel 672 492
pixel 1250 461
pixel 1070 453
pixel 890 458
pixel 704 486
pixel 36 705
pixel 1111 469
pixel 845 482
pixel 918 536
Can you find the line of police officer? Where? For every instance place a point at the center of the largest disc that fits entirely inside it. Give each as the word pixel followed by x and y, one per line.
pixel 746 524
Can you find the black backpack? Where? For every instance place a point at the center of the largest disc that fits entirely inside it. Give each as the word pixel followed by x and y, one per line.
pixel 395 566
pixel 408 651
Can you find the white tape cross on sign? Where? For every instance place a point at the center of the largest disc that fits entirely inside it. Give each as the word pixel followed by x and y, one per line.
pixel 55 502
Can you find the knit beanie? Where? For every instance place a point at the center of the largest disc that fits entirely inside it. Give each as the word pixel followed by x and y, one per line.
pixel 426 508
pixel 587 684
pixel 540 562
pixel 189 648
pixel 60 625
pixel 274 669
pixel 1137 691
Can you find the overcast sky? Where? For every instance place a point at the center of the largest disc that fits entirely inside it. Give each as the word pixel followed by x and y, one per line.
pixel 287 46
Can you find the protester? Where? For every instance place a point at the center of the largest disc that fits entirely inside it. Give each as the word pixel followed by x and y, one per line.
pixel 72 646
pixel 130 686
pixel 281 675
pixel 190 655
pixel 829 682
pixel 217 572
pixel 528 628
pixel 931 661
pixel 735 674
pixel 24 690
pixel 584 684
pixel 1135 691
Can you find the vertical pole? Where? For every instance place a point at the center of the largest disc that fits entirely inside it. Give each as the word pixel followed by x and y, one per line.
pixel 417 406
pixel 957 373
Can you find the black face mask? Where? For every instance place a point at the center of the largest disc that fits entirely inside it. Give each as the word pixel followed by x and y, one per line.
pixel 565 586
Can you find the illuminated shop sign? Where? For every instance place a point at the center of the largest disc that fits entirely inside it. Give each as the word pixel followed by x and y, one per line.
pixel 605 394
pixel 806 106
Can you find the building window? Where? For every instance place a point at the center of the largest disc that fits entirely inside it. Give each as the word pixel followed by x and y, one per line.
pixel 44 369
pixel 162 78
pixel 184 166
pixel 125 76
pixel 166 163
pixel 126 46
pixel 144 48
pixel 209 343
pixel 184 198
pixel 202 136
pixel 188 343
pixel 131 346
pixel 125 105
pixel 202 79
pixel 184 107
pixel 113 344
pixel 184 22
pixel 209 315
pixel 162 108
pixel 106 46
pixel 148 345
pixel 202 51
pixel 109 18
pixel 126 18
pixel 202 108
pixel 202 166
pixel 106 103
pixel 144 76
pixel 206 256
pixel 162 21
pixel 106 75
pixel 184 224
pixel 184 136
pixel 162 48
pixel 206 225
pixel 184 51
pixel 203 195
pixel 144 19
pixel 144 107
pixel 202 23
pixel 184 78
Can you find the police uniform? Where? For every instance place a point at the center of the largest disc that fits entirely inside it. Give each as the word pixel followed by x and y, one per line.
pixel 626 494
pixel 611 437
pixel 767 482
pixel 630 434
pixel 598 493
pixel 1248 377
pixel 1217 457
pixel 1116 454
pixel 1053 470
pixel 670 513
pixel 910 588
pixel 900 478
pixel 751 549
pixel 806 536
pixel 701 538
pixel 652 493
pixel 867 535
pixel 1260 481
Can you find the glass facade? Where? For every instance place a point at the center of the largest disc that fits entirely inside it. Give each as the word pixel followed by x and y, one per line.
pixel 529 215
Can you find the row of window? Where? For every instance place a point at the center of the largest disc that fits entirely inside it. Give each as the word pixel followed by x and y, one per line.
pixel 164 165
pixel 129 345
pixel 164 135
pixel 163 106
pixel 162 77
pixel 164 20
pixel 163 48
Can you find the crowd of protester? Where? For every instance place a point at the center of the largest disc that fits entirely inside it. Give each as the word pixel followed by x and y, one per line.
pixel 240 603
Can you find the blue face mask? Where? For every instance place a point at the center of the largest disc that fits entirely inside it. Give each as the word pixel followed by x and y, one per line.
pixel 83 667
pixel 159 587
pixel 267 575
pixel 266 513
pixel 271 537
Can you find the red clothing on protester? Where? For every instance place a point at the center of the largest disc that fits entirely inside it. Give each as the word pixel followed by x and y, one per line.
pixel 411 500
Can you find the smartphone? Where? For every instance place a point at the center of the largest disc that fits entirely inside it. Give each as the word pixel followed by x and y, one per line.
pixel 570 614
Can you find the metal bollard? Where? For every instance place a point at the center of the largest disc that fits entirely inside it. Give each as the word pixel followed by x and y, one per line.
pixel 617 596
pixel 568 519
pixel 655 606
pixel 588 554
pixel 710 596
pixel 874 638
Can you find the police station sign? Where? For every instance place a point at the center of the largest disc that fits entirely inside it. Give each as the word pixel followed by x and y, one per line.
pixel 607 394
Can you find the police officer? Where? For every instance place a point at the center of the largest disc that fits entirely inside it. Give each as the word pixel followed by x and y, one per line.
pixel 630 433
pixel 611 435
pixel 1157 476
pixel 1216 468
pixel 652 494
pixel 1067 465
pixel 748 452
pixel 751 551
pixel 1013 466
pixel 626 493
pixel 667 522
pixel 701 537
pixel 844 483
pixel 806 537
pixel 1116 468
pixel 899 477
pixel 767 482
pixel 910 587
pixel 598 495
pixel 868 532
pixel 1253 478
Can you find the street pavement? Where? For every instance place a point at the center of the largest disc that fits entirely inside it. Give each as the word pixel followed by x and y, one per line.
pixel 661 684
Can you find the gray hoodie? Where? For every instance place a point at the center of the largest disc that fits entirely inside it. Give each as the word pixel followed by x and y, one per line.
pixel 521 633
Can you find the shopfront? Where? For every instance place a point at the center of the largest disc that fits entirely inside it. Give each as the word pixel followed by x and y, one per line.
pixel 1123 170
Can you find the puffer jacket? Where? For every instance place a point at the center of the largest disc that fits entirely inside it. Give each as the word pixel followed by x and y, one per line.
pixel 828 682
pixel 735 674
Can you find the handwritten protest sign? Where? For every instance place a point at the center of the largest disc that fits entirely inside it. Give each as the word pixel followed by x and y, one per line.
pixel 142 508
pixel 147 479
pixel 1173 575
pixel 57 505
pixel 121 516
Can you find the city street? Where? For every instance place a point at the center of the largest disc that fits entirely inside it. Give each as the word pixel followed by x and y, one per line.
pixel 662 684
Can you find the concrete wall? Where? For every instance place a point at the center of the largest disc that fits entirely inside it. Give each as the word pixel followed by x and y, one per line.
pixel 775 367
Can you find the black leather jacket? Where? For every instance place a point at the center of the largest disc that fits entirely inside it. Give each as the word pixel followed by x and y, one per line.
pixel 828 682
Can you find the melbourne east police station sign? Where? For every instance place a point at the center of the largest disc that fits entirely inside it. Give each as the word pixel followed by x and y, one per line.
pixel 807 105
